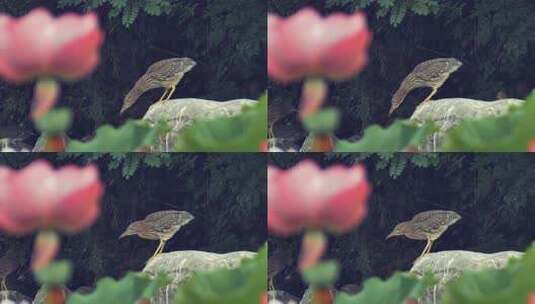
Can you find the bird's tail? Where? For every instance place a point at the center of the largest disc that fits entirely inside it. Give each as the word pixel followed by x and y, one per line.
pixel 398 98
pixel 142 85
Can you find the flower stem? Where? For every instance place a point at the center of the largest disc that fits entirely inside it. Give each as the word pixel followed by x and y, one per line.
pixel 45 249
pixel 312 249
pixel 46 93
pixel 313 96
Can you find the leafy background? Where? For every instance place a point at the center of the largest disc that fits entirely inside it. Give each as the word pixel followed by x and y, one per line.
pixel 226 38
pixel 494 194
pixel 225 193
pixel 494 40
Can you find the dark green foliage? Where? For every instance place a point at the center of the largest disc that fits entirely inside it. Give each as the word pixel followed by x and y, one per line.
pixel 396 9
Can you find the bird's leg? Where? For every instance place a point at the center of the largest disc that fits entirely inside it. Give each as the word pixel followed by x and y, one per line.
pixel 161 247
pixel 270 284
pixel 430 95
pixel 171 93
pixel 157 249
pixel 425 249
pixel 164 93
pixel 4 285
pixel 430 245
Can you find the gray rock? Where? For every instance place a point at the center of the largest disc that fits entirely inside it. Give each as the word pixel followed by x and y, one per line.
pixel 180 266
pixel 449 265
pixel 179 113
pixel 281 297
pixel 12 296
pixel 450 112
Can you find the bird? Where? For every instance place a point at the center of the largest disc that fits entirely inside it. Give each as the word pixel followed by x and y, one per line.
pixel 160 225
pixel 431 73
pixel 166 74
pixel 427 225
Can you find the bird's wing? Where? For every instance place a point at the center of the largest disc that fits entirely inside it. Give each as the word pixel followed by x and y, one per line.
pixel 159 65
pixel 159 214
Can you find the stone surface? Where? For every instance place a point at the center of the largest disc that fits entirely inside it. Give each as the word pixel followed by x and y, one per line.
pixel 12 296
pixel 447 113
pixel 180 266
pixel 281 297
pixel 179 113
pixel 448 265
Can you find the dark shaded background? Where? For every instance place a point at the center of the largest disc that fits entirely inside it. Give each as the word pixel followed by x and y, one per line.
pixel 225 193
pixel 494 39
pixel 226 38
pixel 493 193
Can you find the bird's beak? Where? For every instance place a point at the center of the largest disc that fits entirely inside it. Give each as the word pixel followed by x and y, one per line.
pixel 392 108
pixel 124 234
pixel 391 235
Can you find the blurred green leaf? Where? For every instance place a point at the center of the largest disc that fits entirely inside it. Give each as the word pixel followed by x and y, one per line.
pixel 511 284
pixel 324 121
pixel 508 133
pixel 323 274
pixel 241 133
pixel 400 136
pixel 57 273
pixel 57 121
pixel 129 290
pixel 242 285
pixel 396 290
pixel 134 135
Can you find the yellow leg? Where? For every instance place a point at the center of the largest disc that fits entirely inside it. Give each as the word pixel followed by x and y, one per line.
pixel 425 249
pixel 162 247
pixel 431 95
pixel 270 284
pixel 157 249
pixel 430 245
pixel 171 93
pixel 164 93
pixel 4 285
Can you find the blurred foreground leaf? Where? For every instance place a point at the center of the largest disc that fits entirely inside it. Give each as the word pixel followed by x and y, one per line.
pixel 512 284
pixel 324 121
pixel 323 274
pixel 57 121
pixel 241 133
pixel 400 136
pixel 129 290
pixel 508 133
pixel 134 135
pixel 396 290
pixel 243 285
pixel 57 273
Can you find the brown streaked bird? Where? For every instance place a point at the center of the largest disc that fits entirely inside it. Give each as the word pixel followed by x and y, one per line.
pixel 161 225
pixel 427 225
pixel 432 73
pixel 162 74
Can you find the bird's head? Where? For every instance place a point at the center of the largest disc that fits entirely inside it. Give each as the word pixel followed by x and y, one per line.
pixel 455 64
pixel 400 229
pixel 187 64
pixel 133 229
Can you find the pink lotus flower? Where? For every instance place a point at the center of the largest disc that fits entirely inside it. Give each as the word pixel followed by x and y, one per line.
pixel 531 299
pixel 306 196
pixel 39 44
pixel 40 197
pixel 306 44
